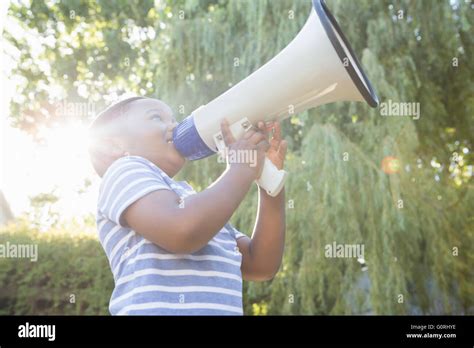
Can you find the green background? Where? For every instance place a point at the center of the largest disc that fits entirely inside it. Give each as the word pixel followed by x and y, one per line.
pixel 412 51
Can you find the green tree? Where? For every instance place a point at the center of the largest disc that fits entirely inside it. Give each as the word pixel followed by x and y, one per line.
pixel 415 224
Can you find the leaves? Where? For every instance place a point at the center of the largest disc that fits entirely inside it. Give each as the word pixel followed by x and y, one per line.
pixel 185 53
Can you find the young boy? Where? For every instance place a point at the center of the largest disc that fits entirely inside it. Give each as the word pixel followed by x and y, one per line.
pixel 171 250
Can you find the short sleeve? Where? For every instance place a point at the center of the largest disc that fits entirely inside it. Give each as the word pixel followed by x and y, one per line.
pixel 127 180
pixel 237 233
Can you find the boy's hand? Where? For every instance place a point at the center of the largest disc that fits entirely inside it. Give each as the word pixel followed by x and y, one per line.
pixel 253 140
pixel 277 151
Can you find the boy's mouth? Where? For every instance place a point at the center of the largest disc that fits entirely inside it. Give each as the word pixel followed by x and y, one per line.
pixel 169 136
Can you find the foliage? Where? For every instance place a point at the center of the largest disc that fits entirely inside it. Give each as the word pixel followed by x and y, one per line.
pixel 184 52
pixel 70 276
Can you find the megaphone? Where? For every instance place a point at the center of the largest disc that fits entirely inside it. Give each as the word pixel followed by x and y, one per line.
pixel 316 68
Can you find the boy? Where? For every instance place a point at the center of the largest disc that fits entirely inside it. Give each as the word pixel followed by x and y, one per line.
pixel 172 250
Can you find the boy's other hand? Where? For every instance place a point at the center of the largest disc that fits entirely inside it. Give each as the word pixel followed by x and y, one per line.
pixel 278 146
pixel 251 147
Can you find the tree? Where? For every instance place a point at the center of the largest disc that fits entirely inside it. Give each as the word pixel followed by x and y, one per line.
pixel 414 220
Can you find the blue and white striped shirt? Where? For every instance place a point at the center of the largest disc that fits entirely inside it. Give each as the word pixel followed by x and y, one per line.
pixel 150 280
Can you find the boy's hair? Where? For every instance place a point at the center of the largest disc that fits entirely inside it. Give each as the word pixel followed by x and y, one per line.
pixel 101 127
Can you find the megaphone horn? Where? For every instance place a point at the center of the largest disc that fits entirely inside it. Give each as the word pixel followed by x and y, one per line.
pixel 316 68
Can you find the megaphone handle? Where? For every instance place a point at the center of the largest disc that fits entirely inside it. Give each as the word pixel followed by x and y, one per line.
pixel 272 179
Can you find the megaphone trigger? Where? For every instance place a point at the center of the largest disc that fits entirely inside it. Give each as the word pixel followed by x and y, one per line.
pixel 245 123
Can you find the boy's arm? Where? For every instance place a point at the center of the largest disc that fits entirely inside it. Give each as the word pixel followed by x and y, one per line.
pixel 178 228
pixel 186 228
pixel 261 255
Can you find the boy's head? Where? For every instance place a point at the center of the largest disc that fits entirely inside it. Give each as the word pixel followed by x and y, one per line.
pixel 135 126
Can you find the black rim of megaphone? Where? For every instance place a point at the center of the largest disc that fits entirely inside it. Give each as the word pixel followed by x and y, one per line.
pixel 329 22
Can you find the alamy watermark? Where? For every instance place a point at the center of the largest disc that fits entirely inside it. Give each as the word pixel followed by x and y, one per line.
pixel 238 156
pixel 37 331
pixel 400 109
pixel 19 251
pixel 74 110
pixel 336 250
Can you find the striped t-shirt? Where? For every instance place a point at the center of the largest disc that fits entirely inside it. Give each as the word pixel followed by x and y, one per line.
pixel 150 280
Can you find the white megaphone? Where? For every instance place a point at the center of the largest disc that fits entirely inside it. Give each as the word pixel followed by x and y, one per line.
pixel 316 68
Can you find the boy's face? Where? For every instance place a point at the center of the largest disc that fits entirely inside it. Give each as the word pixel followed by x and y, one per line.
pixel 148 131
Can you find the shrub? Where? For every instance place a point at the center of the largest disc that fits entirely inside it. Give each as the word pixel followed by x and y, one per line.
pixel 71 275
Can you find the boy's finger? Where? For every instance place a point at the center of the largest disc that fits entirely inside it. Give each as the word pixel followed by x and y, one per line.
pixel 257 137
pixel 269 124
pixel 283 148
pixel 277 131
pixel 263 128
pixel 248 134
pixel 226 133
pixel 263 145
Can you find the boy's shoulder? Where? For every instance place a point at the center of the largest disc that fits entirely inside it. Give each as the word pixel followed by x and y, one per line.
pixel 128 169
pixel 131 162
pixel 126 180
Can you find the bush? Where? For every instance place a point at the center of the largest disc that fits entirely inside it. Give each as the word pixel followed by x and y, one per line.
pixel 71 275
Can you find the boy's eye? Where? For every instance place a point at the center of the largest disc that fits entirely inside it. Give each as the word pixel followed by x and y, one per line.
pixel 156 117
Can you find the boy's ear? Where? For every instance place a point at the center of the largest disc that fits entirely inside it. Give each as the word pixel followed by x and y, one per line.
pixel 115 146
pixel 111 146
